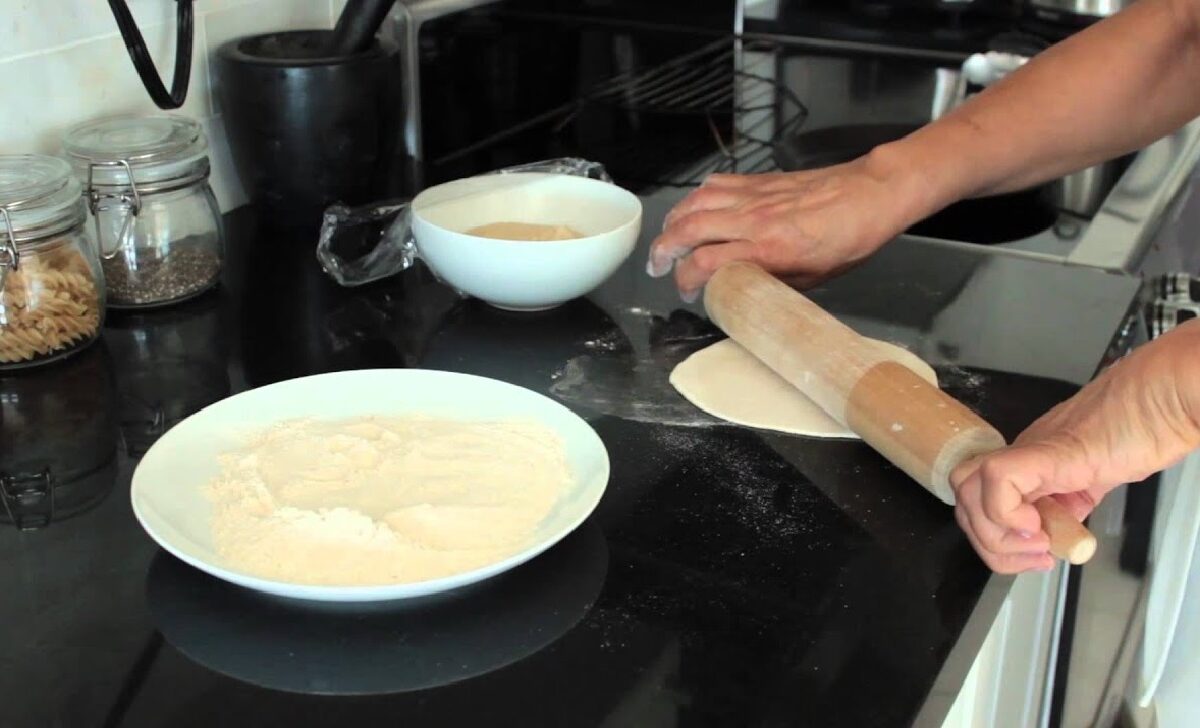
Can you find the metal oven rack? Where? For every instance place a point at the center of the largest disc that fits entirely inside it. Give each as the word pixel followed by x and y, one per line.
pixel 725 93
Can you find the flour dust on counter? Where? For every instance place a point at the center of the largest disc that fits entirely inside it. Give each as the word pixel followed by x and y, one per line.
pixel 375 500
pixel 630 380
pixel 748 475
pixel 969 386
pixel 629 387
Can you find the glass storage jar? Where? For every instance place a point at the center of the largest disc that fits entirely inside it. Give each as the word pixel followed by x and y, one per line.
pixel 51 288
pixel 156 221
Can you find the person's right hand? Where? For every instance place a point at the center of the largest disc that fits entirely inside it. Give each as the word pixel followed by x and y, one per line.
pixel 802 226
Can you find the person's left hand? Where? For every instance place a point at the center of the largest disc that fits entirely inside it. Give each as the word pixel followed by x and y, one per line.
pixel 1133 420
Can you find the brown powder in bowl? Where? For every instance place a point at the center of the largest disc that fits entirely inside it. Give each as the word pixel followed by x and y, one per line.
pixel 530 231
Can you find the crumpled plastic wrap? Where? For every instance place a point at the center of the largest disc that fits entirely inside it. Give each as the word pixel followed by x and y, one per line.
pixel 359 245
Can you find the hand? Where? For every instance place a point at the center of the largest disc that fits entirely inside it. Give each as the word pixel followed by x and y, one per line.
pixel 1135 419
pixel 802 226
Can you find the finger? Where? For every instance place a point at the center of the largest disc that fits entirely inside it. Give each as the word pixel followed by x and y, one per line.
pixel 736 181
pixel 689 232
pixel 964 471
pixel 703 198
pixel 693 272
pixel 802 282
pixel 1079 504
pixel 1073 474
pixel 1020 542
pixel 1006 563
pixel 993 537
pixel 1006 478
pixel 756 183
pixel 805 281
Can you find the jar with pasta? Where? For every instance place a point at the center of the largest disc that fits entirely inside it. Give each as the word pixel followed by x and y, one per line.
pixel 51 288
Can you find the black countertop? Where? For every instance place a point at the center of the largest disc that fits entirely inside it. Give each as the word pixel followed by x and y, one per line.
pixel 729 576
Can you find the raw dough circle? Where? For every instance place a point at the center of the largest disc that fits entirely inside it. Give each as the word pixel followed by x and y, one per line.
pixel 729 382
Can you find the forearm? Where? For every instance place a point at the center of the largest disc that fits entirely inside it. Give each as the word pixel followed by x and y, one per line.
pixel 1111 89
pixel 1184 343
pixel 1160 383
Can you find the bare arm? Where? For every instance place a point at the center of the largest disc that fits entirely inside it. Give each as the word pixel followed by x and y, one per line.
pixel 1108 90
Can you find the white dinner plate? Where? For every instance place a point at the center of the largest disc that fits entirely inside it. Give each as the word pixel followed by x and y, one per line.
pixel 168 485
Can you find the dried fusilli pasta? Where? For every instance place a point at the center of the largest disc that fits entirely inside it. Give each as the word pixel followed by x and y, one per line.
pixel 49 304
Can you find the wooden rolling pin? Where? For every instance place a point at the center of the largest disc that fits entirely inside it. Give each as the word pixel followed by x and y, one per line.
pixel 919 428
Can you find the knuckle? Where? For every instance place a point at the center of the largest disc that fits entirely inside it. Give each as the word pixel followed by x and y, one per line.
pixel 990 468
pixel 762 214
pixel 705 258
pixel 992 504
pixel 761 253
pixel 991 542
pixel 960 515
pixel 688 278
pixel 968 492
pixel 690 225
pixel 992 472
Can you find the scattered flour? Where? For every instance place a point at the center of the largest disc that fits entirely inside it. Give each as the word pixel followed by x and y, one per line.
pixel 383 500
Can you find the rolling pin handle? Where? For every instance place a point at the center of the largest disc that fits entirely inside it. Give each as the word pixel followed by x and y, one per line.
pixel 917 427
pixel 1070 540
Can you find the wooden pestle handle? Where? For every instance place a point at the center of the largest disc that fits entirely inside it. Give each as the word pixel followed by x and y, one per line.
pixel 919 428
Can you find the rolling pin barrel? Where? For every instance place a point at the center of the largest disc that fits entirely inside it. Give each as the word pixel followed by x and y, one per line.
pixel 916 426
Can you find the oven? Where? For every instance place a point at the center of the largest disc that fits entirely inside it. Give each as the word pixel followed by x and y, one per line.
pixel 491 83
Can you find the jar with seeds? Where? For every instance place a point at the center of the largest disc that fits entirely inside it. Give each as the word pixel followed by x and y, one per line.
pixel 155 219
pixel 51 288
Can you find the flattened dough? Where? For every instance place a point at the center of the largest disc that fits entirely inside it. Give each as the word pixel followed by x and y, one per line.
pixel 729 382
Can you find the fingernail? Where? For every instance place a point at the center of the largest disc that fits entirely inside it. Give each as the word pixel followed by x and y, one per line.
pixel 690 296
pixel 655 269
pixel 660 264
pixel 1024 534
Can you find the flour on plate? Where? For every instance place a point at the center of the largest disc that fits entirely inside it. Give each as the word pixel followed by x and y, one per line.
pixel 374 500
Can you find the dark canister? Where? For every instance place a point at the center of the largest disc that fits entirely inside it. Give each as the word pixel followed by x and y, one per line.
pixel 307 129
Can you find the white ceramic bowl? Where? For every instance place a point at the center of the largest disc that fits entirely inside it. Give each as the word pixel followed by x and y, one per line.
pixel 523 275
pixel 168 484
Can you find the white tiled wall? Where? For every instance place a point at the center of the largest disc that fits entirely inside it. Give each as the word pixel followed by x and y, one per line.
pixel 63 61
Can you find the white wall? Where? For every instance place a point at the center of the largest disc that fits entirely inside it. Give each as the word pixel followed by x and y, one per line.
pixel 63 61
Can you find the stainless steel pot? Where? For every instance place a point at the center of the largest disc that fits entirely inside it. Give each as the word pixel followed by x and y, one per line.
pixel 1083 192
pixel 1080 8
pixel 1080 193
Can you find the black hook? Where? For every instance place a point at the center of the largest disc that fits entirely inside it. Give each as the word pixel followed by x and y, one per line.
pixel 144 64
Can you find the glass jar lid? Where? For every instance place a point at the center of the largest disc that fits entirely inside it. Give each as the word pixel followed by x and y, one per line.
pixel 153 149
pixel 39 196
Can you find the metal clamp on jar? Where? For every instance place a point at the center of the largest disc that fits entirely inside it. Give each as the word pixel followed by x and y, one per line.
pixel 158 227
pixel 51 289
